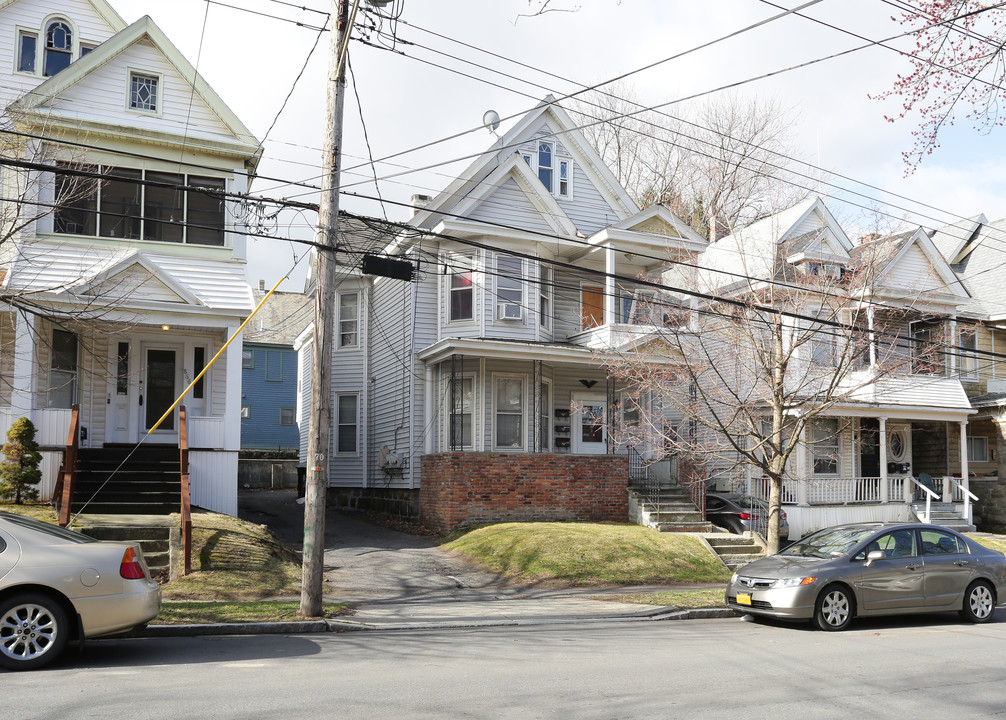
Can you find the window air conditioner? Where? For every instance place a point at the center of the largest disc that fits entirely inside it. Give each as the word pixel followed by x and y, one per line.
pixel 509 311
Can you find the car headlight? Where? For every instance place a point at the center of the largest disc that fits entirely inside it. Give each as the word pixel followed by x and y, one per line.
pixel 733 578
pixel 794 581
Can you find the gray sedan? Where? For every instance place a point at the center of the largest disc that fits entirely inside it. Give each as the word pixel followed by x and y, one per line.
pixel 872 569
pixel 57 585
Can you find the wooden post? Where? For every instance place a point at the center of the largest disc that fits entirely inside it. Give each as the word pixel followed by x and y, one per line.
pixel 318 451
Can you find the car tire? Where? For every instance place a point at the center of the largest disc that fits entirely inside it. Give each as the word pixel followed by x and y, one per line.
pixel 979 602
pixel 735 526
pixel 34 629
pixel 834 608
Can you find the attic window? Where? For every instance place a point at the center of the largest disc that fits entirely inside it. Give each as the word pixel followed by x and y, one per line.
pixel 555 173
pixel 143 92
pixel 58 47
pixel 26 44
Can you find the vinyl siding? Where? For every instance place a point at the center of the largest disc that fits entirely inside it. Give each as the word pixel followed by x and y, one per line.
pixel 265 390
pixel 509 206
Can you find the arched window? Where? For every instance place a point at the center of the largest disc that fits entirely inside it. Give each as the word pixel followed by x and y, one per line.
pixel 58 47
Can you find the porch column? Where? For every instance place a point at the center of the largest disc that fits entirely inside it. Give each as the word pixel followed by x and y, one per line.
pixel 431 409
pixel 23 382
pixel 232 394
pixel 801 488
pixel 611 301
pixel 965 481
pixel 882 446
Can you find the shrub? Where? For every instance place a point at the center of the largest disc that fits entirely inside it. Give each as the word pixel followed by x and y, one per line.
pixel 19 471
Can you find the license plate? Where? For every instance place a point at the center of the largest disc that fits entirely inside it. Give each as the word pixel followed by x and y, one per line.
pixel 743 599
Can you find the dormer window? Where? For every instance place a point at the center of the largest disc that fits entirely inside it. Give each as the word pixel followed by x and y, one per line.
pixel 826 270
pixel 58 47
pixel 555 173
pixel 143 92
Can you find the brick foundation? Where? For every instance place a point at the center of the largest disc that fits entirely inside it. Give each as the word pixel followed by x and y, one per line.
pixel 469 488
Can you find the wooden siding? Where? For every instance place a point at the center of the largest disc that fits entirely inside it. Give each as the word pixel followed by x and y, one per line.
pixel 103 96
pixel 29 14
pixel 509 206
pixel 306 362
pixel 267 387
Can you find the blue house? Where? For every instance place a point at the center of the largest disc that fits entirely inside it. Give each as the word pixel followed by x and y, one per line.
pixel 269 372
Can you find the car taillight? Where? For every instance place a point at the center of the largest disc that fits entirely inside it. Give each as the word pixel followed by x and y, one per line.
pixel 131 568
pixel 744 516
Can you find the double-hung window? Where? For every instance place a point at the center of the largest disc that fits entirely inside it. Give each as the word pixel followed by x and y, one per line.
pixel 978 449
pixel 546 151
pixel 27 44
pixel 509 287
pixel 968 363
pixel 564 178
pixel 346 428
pixel 509 406
pixel 462 405
pixel 58 47
pixel 461 291
pixel 824 446
pixel 349 314
pixel 62 370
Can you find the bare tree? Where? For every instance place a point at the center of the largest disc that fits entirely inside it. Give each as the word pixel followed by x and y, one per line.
pixel 729 160
pixel 751 364
pixel 958 67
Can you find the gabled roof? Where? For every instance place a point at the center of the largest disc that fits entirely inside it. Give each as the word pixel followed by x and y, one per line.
pixel 590 164
pixel 951 239
pixel 112 275
pixel 754 251
pixel 912 266
pixel 514 168
pixel 143 29
pixel 658 219
pixel 106 11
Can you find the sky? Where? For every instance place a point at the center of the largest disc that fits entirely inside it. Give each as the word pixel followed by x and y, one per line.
pixel 428 85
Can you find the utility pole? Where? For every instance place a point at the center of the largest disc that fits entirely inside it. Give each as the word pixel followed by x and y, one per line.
pixel 319 433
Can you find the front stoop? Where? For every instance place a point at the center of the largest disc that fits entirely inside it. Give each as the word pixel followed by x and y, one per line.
pixel 672 510
pixel 158 536
pixel 944 514
pixel 735 550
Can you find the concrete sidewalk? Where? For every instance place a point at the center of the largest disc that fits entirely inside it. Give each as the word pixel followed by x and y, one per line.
pixel 396 581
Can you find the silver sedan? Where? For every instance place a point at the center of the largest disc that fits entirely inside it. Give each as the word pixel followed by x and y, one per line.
pixel 872 569
pixel 57 585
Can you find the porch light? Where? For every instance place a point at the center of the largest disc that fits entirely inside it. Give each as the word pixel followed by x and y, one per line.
pixel 165 327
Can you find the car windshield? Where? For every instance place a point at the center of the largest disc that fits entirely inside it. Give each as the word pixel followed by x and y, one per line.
pixel 830 543
pixel 46 528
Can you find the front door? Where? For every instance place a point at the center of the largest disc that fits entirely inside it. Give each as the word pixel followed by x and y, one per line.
pixel 869 447
pixel 159 390
pixel 120 422
pixel 590 430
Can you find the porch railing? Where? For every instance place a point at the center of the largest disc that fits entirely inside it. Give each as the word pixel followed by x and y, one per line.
pixel 930 496
pixel 63 494
pixel 962 495
pixel 186 509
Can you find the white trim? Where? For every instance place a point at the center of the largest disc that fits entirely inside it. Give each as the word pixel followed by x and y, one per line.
pixel 445 421
pixel 355 345
pixel 356 424
pixel 494 412
pixel 132 72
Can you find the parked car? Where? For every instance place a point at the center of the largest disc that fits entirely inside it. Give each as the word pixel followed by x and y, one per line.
pixel 739 514
pixel 57 585
pixel 866 569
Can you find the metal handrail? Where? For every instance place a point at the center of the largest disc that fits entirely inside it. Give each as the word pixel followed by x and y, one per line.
pixel 929 498
pixel 68 471
pixel 186 510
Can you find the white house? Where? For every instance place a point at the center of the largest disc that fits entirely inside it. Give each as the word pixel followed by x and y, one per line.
pixel 123 271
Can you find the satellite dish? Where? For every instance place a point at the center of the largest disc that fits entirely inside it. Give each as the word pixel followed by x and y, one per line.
pixel 491 120
pixel 379 3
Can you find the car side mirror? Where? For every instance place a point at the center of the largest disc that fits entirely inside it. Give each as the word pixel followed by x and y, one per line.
pixel 874 556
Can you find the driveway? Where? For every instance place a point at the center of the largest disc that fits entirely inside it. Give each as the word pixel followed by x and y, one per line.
pixel 369 563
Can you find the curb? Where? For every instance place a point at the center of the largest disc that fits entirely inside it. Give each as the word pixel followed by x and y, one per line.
pixel 335 626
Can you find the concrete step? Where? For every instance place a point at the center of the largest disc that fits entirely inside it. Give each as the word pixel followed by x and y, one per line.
pixel 748 549
pixel 698 527
pixel 154 534
pixel 735 561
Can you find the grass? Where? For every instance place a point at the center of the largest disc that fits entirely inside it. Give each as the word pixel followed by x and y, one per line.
pixel 241 573
pixel 589 554
pixel 994 542
pixel 188 612
pixel 705 598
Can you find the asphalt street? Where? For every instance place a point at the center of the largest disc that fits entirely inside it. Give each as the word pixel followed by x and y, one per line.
pixel 928 666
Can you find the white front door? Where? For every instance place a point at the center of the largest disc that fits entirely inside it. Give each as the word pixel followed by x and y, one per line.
pixel 589 427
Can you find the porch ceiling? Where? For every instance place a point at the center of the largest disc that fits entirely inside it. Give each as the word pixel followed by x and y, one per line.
pixel 518 350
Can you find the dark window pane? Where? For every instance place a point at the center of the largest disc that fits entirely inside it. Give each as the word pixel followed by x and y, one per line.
pixel 26 53
pixel 122 370
pixel 55 60
pixel 198 363
pixel 163 208
pixel 76 204
pixel 160 387
pixel 206 212
pixel 120 204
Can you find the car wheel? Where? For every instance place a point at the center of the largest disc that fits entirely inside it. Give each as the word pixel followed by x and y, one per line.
pixel 979 602
pixel 33 631
pixel 833 610
pixel 735 526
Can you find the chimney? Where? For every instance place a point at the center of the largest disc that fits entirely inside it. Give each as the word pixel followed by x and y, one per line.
pixel 418 202
pixel 717 229
pixel 868 238
pixel 261 285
